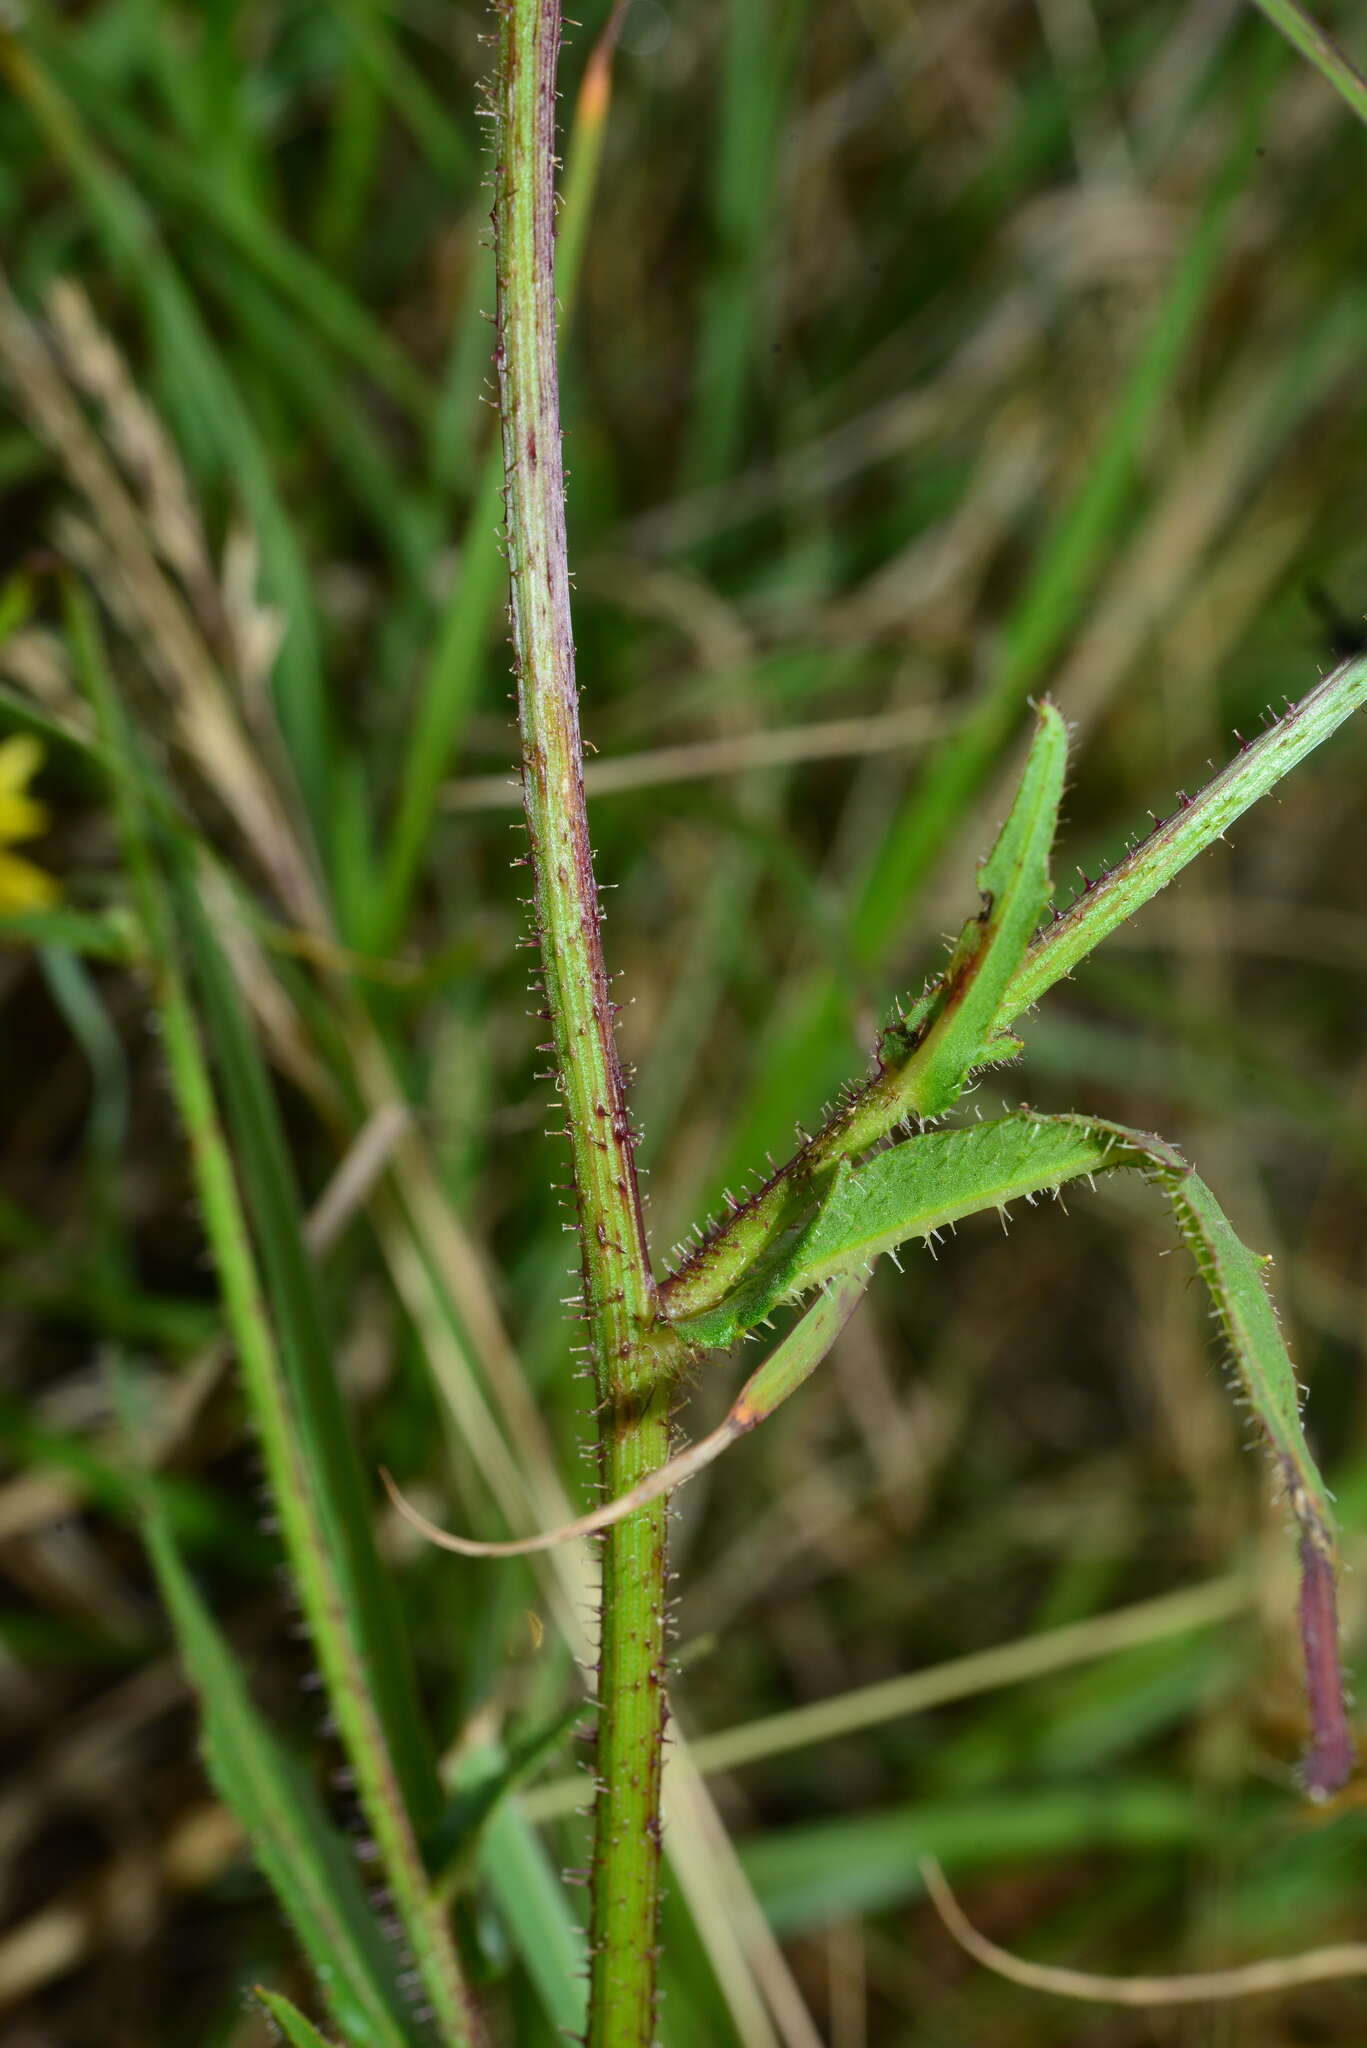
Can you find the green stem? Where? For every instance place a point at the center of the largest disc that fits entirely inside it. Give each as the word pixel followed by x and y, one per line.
pixel 623 1928
pixel 619 1299
pixel 444 701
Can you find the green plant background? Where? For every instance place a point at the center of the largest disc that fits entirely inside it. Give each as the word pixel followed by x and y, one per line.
pixel 918 361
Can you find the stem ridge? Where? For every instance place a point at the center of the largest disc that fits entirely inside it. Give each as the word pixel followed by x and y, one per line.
pixel 632 1355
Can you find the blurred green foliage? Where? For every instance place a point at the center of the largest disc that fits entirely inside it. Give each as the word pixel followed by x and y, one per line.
pixel 921 360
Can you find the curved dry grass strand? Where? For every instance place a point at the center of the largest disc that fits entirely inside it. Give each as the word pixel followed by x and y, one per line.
pixel 663 1480
pixel 785 1369
pixel 1246 1980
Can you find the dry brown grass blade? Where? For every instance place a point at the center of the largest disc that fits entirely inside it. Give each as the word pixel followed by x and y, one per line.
pixel 128 561
pixel 679 1470
pixel 696 760
pixel 145 451
pixel 1197 1987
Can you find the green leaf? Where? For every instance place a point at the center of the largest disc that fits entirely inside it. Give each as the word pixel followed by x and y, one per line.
pixel 223 216
pixel 1016 888
pixel 913 1190
pixel 535 1903
pixel 1196 823
pixel 1236 1280
pixel 1301 30
pixel 93 934
pixel 514 1864
pixel 925 1060
pixel 309 1866
pixel 931 1182
pixel 831 1871
pixel 455 1839
pixel 955 1027
pixel 192 1509
pixel 298 2031
pixel 920 1058
pixel 1235 1277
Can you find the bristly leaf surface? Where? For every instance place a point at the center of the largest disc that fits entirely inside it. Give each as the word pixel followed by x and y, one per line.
pixel 910 1191
pixel 924 1061
pixel 920 1069
pixel 916 1188
pixel 961 1012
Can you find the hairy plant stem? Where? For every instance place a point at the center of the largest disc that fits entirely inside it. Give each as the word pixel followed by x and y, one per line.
pixel 631 1351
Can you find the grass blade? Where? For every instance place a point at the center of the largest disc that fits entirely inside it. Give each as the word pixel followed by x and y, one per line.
pixel 306 1344
pixel 825 1871
pixel 210 413
pixel 531 1897
pixel 301 280
pixel 299 2032
pixel 757 76
pixel 1304 33
pixel 445 700
pixel 309 1866
pixel 424 113
pixel 326 1559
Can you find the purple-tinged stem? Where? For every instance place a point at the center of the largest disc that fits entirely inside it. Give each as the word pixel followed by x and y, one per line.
pixel 629 1350
pixel 1328 1762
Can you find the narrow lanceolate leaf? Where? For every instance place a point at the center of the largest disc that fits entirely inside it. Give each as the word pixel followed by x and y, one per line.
pixel 924 1060
pixel 912 1191
pixel 750 1232
pixel 310 1868
pixel 299 2032
pixel 1197 821
pixel 917 1188
pixel 305 1344
pixel 1235 1277
pixel 963 1009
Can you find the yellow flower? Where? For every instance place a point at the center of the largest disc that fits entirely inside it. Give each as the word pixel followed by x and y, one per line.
pixel 23 886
